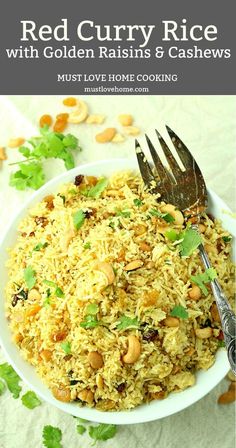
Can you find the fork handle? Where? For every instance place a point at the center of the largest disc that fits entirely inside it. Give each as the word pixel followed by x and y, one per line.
pixel 227 316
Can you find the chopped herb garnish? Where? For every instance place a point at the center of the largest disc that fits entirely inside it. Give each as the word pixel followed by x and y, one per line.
pixel 80 429
pixel 66 346
pixel 102 432
pixel 87 245
pixel 30 400
pixel 48 145
pixel 73 192
pixel 49 283
pixel 40 246
pixel 166 216
pixel 168 262
pixel 8 374
pixel 63 198
pixel 29 276
pixel 172 235
pixel 200 279
pixel 191 241
pixel 52 437
pixel 47 301
pixel 97 190
pixel 79 218
pixel 221 343
pixel 127 322
pixel 227 239
pixel 92 308
pixel 179 311
pixel 112 224
pixel 57 291
pixel 124 213
pixel 90 321
pixel 138 202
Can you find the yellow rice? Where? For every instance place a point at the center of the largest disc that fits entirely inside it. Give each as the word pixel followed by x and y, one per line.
pixel 168 362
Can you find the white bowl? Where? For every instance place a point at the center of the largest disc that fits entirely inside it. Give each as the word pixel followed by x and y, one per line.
pixel 175 402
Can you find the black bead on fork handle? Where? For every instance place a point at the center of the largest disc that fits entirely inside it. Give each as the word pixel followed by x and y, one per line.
pixel 186 189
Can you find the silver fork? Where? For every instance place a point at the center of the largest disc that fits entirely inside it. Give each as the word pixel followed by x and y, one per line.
pixel 186 190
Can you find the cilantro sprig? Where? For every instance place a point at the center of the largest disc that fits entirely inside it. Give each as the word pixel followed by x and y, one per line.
pixel 166 216
pixel 48 145
pixel 66 347
pixel 30 400
pixel 127 322
pixel 179 311
pixel 52 437
pixel 201 279
pixel 57 291
pixel 8 374
pixel 190 242
pixel 103 431
pixel 29 277
pixel 78 219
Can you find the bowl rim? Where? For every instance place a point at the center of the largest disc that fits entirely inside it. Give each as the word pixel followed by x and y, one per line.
pixel 145 412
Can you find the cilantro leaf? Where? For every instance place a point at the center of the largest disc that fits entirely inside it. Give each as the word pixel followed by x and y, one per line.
pixel 52 437
pixel 78 219
pixel 2 387
pixel 92 308
pixel 227 239
pixel 90 321
pixel 29 276
pixel 200 279
pixel 221 343
pixel 97 190
pixel 80 429
pixel 103 431
pixel 8 374
pixel 127 322
pixel 87 245
pixel 179 311
pixel 29 175
pixel 57 291
pixel 172 235
pixel 138 202
pixel 25 151
pixel 40 246
pixel 191 241
pixel 124 213
pixel 166 216
pixel 30 400
pixel 66 347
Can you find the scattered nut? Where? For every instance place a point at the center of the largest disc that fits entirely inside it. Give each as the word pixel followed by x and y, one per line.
pixel 125 119
pixel 133 265
pixel 195 293
pixel 227 397
pixel 95 359
pixel 131 130
pixel 95 119
pixel 201 228
pixel 203 333
pixel 16 142
pixel 107 269
pixel 134 350
pixel 145 247
pixel 86 395
pixel 140 229
pixel 79 114
pixel 170 321
pixel 70 101
pixel 33 294
pixel 61 394
pixel 3 155
pixel 99 381
pixel 119 138
pixel 106 136
pixel 66 239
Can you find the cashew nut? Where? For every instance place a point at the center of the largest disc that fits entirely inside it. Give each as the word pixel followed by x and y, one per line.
pixel 145 247
pixel 135 264
pixel 61 394
pixel 125 119
pixel 140 229
pixel 177 215
pixel 203 333
pixel 95 359
pixel 107 269
pixel 16 142
pixel 170 321
pixel 227 397
pixel 195 293
pixel 86 395
pixel 34 295
pixel 134 350
pixel 119 138
pixel 79 114
pixel 106 136
pixel 131 130
pixel 3 155
pixel 66 239
pixel 95 119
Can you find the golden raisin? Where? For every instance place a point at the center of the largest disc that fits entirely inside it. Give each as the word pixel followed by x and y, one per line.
pixel 45 120
pixel 60 125
pixel 62 116
pixel 70 101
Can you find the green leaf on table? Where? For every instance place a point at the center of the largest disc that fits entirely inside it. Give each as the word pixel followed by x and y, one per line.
pixel 52 437
pixel 29 277
pixel 96 191
pixel 30 400
pixel 201 279
pixel 80 429
pixel 179 311
pixel 78 219
pixel 8 374
pixel 2 387
pixel 103 431
pixel 66 347
pixel 191 241
pixel 29 175
pixel 166 216
pixel 127 322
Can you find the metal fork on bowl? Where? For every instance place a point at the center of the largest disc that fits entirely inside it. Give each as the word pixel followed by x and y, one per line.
pixel 186 190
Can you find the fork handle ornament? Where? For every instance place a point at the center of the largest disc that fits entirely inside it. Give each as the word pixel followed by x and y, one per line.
pixel 227 316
